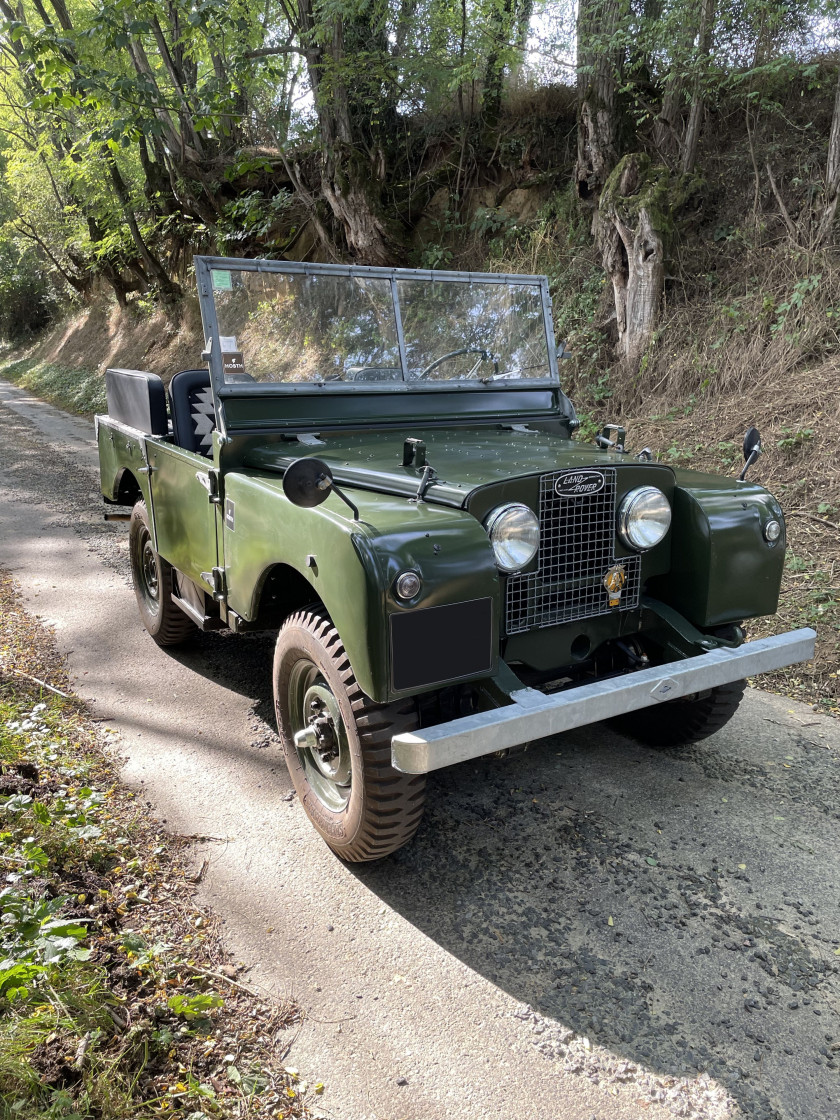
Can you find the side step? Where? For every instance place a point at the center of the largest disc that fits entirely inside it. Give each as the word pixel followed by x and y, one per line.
pixel 191 601
pixel 202 621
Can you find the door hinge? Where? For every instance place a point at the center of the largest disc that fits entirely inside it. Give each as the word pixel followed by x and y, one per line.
pixel 219 585
pixel 210 481
pixel 216 579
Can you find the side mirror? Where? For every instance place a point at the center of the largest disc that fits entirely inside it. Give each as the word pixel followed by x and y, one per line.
pixel 308 482
pixel 562 352
pixel 752 450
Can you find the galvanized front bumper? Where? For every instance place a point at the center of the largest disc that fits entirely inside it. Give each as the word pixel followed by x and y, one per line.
pixel 533 715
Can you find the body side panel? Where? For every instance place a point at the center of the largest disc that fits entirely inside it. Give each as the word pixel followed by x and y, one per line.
pixel 354 563
pixel 722 569
pixel 120 448
pixel 185 518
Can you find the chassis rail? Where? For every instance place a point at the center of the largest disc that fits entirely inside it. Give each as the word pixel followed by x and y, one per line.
pixel 533 715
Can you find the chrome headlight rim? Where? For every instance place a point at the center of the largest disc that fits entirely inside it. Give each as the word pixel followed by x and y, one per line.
pixel 629 518
pixel 493 525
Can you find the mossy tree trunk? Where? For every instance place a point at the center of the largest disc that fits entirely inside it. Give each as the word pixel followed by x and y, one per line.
pixel 832 174
pixel 635 213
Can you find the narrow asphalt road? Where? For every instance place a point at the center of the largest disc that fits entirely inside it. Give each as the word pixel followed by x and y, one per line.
pixel 591 929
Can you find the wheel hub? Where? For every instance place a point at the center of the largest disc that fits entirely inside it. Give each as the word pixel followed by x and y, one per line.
pixel 322 743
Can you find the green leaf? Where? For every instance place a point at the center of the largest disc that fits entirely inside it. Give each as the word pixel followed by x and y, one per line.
pixel 652 862
pixel 41 813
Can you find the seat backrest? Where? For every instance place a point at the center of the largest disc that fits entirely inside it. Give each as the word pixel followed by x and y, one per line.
pixel 138 399
pixel 193 414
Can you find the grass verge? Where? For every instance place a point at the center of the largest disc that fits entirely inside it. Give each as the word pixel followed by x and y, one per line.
pixel 75 390
pixel 116 997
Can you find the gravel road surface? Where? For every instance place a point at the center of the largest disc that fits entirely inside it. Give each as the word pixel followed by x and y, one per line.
pixel 591 929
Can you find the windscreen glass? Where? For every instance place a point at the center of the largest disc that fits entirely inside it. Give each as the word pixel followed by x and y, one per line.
pixel 465 331
pixel 280 327
pixel 319 327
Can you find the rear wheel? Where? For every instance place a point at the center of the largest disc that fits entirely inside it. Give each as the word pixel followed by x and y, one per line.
pixel 153 582
pixel 682 722
pixel 337 744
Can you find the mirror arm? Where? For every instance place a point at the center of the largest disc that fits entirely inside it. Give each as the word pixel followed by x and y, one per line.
pixel 340 494
pixel 754 454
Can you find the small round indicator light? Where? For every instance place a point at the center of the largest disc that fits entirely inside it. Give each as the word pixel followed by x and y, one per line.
pixel 408 585
pixel 772 531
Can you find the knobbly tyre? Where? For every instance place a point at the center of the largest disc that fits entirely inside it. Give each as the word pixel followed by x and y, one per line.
pixel 379 464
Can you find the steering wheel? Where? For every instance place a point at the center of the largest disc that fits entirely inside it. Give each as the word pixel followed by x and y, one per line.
pixel 484 355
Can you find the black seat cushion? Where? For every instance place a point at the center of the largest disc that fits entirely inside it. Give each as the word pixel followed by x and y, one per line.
pixel 138 399
pixel 193 414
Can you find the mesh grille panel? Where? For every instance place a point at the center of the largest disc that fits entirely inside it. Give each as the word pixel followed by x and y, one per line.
pixel 577 541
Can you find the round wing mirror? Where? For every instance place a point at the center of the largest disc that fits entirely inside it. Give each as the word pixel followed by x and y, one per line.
pixel 752 442
pixel 307 482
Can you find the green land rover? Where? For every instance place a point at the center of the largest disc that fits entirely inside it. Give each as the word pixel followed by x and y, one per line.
pixel 379 464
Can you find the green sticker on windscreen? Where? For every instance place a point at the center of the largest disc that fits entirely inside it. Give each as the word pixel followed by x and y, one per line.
pixel 222 281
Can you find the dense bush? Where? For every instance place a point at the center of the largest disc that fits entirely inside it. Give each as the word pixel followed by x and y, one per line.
pixel 27 302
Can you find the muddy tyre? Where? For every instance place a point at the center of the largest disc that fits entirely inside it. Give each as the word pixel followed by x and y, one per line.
pixel 153 584
pixel 682 722
pixel 337 744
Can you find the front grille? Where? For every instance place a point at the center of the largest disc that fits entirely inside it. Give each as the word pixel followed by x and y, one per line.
pixel 577 543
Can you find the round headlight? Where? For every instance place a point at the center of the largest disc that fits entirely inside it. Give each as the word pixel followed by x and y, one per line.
pixel 514 532
pixel 644 518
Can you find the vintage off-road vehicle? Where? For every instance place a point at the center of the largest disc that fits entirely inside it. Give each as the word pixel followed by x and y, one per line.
pixel 379 464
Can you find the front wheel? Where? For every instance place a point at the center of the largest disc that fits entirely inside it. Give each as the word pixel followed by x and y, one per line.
pixel 337 744
pixel 679 723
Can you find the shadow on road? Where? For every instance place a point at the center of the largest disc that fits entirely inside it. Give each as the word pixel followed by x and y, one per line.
pixel 589 879
pixel 633 896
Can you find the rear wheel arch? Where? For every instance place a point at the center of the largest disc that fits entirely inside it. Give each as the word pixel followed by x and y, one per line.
pixel 126 490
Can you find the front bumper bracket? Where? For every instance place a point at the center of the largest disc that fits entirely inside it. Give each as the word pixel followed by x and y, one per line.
pixel 533 715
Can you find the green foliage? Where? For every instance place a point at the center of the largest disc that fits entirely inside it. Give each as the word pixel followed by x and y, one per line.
pixel 793 439
pixel 75 390
pixel 191 1007
pixel 27 299
pixel 803 290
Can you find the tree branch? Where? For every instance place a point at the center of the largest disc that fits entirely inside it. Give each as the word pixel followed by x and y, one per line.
pixel 791 228
pixel 264 52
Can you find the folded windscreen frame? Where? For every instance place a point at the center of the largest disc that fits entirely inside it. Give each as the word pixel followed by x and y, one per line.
pixel 289 324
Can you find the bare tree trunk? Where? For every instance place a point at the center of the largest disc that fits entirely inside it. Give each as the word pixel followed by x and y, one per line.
pixel 598 70
pixel 353 160
pixel 695 115
pixel 178 81
pixel 139 58
pixel 633 253
pixel 667 127
pixel 832 174
pixel 168 290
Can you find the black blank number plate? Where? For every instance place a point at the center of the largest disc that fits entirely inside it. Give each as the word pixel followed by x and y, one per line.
pixel 437 645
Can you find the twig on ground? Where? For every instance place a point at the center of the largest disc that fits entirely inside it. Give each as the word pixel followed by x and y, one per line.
pixel 199 875
pixel 813 517
pixel 35 680
pixel 81 1049
pixel 224 979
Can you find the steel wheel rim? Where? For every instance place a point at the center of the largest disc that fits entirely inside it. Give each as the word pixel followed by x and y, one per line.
pixel 148 572
pixel 313 704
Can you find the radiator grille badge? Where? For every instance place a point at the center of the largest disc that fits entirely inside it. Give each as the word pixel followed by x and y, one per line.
pixel 614 582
